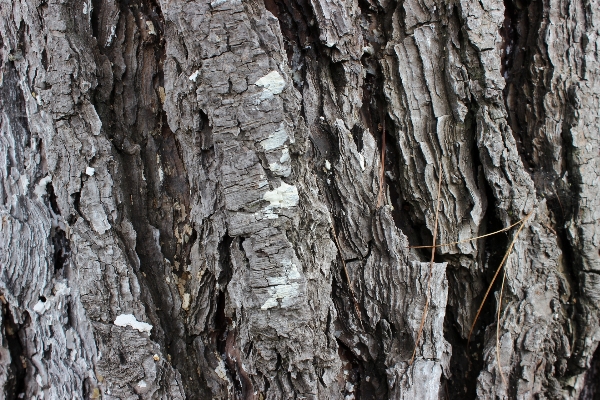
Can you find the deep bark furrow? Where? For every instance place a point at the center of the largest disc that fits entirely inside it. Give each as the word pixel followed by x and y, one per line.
pixel 195 203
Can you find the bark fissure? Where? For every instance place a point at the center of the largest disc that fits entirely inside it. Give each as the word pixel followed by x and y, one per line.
pixel 195 203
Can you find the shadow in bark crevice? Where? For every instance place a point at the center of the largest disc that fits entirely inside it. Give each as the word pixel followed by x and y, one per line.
pixel 153 180
pixel 16 373
pixel 466 365
pixel 527 70
pixel 363 379
pixel 591 386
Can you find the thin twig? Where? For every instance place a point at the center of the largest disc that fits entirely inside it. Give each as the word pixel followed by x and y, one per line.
pixel 508 251
pixel 470 239
pixel 437 210
pixel 498 330
pixel 550 228
pixel 382 169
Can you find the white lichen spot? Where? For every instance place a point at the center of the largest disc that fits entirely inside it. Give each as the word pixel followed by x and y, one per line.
pixel 59 291
pixel 285 155
pixel 284 293
pixel 185 302
pixel 142 384
pixel 361 161
pixel 111 37
pixel 161 172
pixel 150 28
pixel 327 165
pixel 282 289
pixel 284 196
pixel 294 273
pixel 24 181
pixel 193 77
pixel 221 371
pixel 269 214
pixel 275 139
pixel 273 83
pixel 126 320
pixel 89 171
pixel 281 170
pixel 40 307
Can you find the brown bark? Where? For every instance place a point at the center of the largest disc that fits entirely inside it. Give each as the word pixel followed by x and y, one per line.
pixel 195 203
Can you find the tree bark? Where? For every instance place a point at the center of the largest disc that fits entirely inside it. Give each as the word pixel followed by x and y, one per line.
pixel 220 199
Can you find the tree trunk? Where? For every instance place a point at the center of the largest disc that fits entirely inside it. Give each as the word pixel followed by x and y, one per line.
pixel 195 203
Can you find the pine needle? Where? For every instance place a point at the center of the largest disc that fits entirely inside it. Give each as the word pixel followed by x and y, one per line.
pixel 437 210
pixel 498 330
pixel 382 169
pixel 508 251
pixel 470 239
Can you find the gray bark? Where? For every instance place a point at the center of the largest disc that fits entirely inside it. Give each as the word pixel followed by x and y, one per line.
pixel 193 207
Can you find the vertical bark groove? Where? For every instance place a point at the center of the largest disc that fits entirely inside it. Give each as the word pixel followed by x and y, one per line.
pixel 194 205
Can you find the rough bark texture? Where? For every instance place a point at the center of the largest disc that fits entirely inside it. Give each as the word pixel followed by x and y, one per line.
pixel 193 204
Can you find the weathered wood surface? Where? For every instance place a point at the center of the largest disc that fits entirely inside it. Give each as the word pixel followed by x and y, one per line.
pixel 191 198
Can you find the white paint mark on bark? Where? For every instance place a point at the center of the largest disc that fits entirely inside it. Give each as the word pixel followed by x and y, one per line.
pixel 89 171
pixel 126 320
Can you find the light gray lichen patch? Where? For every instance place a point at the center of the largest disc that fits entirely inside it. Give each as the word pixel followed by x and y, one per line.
pixel 284 196
pixel 125 320
pixel 273 83
pixel 276 139
pixel 40 188
pixel 283 288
